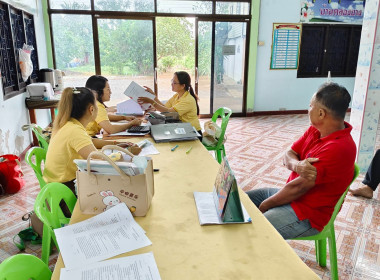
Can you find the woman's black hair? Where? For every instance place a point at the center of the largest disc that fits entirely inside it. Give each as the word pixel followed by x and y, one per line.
pixel 82 98
pixel 97 83
pixel 184 79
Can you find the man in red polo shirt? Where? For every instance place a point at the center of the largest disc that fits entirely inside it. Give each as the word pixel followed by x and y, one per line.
pixel 322 165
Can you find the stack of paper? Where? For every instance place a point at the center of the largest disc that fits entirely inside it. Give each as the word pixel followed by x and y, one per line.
pixel 106 235
pixel 103 167
pixel 129 107
pixel 137 267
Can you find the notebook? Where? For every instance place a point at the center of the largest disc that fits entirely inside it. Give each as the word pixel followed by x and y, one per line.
pixel 173 132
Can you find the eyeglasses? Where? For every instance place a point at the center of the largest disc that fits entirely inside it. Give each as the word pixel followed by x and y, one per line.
pixel 174 83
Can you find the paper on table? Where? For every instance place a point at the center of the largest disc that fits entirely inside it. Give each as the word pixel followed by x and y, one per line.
pixel 141 266
pixel 148 148
pixel 135 91
pixel 207 212
pixel 129 107
pixel 106 235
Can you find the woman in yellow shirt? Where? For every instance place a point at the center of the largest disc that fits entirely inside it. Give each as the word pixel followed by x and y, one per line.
pixel 70 140
pixel 102 88
pixel 184 101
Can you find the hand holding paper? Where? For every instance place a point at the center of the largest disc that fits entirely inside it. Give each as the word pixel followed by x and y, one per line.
pixel 134 91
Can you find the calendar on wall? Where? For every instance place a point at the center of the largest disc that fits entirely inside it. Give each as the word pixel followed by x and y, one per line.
pixel 285 45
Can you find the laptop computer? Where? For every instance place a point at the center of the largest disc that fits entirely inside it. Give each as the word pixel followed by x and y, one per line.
pixel 173 132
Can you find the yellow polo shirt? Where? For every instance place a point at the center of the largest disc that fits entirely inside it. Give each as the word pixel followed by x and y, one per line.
pixel 186 107
pixel 94 127
pixel 63 149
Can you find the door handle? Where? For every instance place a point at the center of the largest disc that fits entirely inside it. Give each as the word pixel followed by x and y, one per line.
pixel 155 75
pixel 196 75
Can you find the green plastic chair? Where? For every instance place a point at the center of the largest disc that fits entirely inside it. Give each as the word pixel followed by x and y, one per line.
pixel 48 210
pixel 40 137
pixel 329 233
pixel 225 114
pixel 39 155
pixel 24 267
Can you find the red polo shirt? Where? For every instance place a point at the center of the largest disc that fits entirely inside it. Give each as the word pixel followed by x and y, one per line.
pixel 335 170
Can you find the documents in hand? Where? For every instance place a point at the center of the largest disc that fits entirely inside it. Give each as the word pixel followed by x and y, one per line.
pixel 135 267
pixel 134 91
pixel 129 107
pixel 103 236
pixel 222 206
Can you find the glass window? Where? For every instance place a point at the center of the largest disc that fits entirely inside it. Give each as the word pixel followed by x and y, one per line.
pixel 126 54
pixel 73 45
pixel 70 5
pixel 184 6
pixel 125 5
pixel 232 8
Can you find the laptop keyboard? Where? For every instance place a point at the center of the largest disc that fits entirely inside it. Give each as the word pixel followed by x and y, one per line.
pixel 138 128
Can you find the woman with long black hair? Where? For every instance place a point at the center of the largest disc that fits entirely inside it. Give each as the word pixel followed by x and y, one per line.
pixel 184 101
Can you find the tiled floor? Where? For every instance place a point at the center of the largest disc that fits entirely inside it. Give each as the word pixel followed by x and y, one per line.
pixel 255 148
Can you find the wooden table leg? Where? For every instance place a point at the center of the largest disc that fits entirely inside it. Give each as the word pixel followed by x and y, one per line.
pixel 52 114
pixel 32 116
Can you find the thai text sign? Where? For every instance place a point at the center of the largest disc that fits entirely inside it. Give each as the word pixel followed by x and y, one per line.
pixel 347 11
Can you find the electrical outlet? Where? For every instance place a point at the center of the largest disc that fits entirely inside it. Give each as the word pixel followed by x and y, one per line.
pixel 282 109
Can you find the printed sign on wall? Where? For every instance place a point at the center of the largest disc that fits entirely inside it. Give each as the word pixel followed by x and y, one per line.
pixel 347 11
pixel 285 45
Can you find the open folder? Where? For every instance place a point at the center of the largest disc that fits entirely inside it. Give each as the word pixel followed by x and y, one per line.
pixel 222 206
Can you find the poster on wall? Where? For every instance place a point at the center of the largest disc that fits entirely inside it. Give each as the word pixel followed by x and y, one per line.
pixel 285 45
pixel 345 11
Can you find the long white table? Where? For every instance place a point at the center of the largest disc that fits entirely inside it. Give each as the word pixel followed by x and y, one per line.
pixel 185 250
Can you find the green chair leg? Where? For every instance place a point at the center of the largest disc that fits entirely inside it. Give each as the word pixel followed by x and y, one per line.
pixel 46 244
pixel 219 155
pixel 321 252
pixel 333 258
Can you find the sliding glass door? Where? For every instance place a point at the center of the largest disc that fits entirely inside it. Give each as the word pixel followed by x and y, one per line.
pixel 220 65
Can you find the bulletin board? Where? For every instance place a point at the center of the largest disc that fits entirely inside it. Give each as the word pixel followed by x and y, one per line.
pixel 285 45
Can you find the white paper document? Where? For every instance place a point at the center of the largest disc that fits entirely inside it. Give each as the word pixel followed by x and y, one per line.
pixel 129 107
pixel 135 267
pixel 147 148
pixel 106 235
pixel 134 91
pixel 207 212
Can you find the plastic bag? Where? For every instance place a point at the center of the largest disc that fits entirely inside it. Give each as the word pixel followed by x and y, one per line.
pixel 10 167
pixel 212 134
pixel 26 64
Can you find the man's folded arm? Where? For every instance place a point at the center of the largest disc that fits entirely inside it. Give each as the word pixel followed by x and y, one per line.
pixel 290 192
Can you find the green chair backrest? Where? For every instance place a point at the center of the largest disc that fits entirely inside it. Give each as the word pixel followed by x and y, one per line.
pixel 24 267
pixel 224 113
pixel 338 205
pixel 40 137
pixel 47 206
pixel 39 155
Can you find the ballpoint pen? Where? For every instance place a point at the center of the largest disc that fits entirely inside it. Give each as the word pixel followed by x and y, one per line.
pixel 175 147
